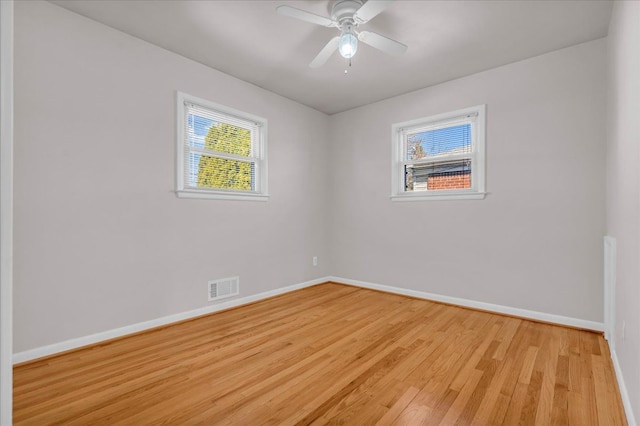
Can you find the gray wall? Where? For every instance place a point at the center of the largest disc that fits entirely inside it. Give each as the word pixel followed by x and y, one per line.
pixel 535 242
pixel 623 185
pixel 101 241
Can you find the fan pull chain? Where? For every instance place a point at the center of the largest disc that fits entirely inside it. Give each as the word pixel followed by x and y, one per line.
pixel 346 71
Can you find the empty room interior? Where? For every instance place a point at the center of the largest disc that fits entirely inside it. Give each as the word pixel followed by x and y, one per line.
pixel 320 212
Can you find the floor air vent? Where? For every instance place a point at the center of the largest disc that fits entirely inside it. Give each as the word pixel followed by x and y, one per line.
pixel 223 288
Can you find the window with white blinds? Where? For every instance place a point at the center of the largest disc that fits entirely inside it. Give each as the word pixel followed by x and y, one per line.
pixel 221 151
pixel 440 157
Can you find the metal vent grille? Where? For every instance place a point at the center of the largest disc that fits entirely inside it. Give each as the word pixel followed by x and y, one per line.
pixel 223 288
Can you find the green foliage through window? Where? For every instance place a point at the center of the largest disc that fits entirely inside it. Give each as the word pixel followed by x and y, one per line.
pixel 222 173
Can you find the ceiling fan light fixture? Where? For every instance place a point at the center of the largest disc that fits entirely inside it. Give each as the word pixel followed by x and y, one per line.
pixel 347 16
pixel 348 44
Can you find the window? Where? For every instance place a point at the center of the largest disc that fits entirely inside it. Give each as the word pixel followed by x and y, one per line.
pixel 440 157
pixel 221 152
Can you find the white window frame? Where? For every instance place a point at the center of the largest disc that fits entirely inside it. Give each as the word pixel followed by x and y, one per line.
pixel 259 150
pixel 475 115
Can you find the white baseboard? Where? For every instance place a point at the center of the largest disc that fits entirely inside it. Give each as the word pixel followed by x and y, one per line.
pixel 624 394
pixel 146 325
pixel 524 313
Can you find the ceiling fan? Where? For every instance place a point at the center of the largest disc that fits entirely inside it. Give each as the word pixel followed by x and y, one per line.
pixel 347 16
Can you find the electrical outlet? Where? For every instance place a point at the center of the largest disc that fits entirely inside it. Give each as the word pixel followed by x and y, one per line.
pixel 624 326
pixel 315 260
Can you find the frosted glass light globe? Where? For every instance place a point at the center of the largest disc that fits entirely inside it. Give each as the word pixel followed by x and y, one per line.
pixel 348 45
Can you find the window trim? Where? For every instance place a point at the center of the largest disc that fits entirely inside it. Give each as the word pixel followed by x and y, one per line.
pixel 398 131
pixel 182 191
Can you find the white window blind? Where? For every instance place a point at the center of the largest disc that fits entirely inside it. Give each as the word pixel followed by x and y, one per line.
pixel 222 151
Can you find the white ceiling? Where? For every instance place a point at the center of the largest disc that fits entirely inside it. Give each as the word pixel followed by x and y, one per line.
pixel 446 39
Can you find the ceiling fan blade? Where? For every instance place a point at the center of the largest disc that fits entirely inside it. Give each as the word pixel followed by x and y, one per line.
pixel 325 53
pixel 303 15
pixel 371 9
pixel 380 42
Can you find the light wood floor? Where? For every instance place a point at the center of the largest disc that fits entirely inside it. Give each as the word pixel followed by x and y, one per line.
pixel 330 354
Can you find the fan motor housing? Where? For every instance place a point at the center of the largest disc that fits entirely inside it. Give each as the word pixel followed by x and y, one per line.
pixel 343 10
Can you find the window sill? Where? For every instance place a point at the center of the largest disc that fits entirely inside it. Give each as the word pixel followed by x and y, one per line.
pixel 221 195
pixel 439 196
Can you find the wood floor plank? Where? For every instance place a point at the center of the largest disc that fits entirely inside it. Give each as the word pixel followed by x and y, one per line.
pixel 453 414
pixel 547 389
pixel 505 379
pixel 398 407
pixel 516 404
pixel 560 407
pixel 330 354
